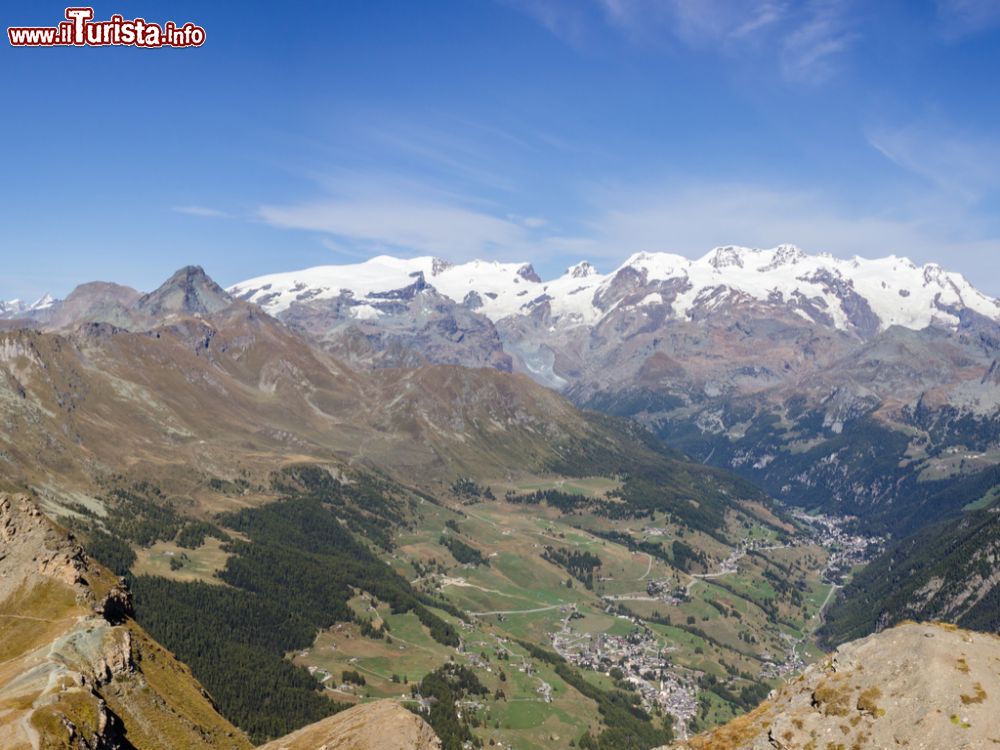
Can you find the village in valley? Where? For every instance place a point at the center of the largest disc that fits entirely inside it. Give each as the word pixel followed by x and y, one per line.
pixel 677 637
pixel 642 659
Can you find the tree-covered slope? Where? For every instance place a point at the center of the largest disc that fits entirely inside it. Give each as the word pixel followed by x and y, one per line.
pixel 946 571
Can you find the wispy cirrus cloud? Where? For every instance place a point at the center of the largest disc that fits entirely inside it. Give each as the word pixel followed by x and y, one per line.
pixel 811 52
pixel 960 18
pixel 695 22
pixel 386 213
pixel 567 19
pixel 692 219
pixel 208 213
pixel 411 225
pixel 960 163
pixel 805 40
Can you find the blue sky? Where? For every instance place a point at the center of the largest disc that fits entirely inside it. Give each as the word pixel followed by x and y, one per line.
pixel 548 131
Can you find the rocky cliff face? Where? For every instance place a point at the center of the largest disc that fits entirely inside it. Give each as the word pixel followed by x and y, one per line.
pixel 915 686
pixel 75 671
pixel 410 327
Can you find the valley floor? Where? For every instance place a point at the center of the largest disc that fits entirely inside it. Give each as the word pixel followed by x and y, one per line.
pixel 700 646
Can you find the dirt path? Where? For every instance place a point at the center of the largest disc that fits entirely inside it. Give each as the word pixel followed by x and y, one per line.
pixel 37 619
pixel 371 671
pixel 465 584
pixel 630 598
pixel 820 613
pixel 648 568
pixel 517 611
pixel 695 577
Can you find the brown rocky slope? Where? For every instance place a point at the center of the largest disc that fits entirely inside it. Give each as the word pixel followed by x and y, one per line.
pixel 919 686
pixel 382 725
pixel 76 672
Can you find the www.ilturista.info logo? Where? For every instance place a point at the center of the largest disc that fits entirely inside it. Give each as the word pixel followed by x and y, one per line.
pixel 80 30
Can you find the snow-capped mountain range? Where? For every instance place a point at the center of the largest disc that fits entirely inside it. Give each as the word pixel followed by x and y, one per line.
pixel 791 369
pixel 857 294
pixel 16 308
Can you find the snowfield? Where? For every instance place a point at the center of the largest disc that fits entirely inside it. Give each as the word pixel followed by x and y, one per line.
pixel 897 291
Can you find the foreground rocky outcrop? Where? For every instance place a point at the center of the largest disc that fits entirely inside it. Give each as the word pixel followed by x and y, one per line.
pixel 383 725
pixel 75 670
pixel 916 686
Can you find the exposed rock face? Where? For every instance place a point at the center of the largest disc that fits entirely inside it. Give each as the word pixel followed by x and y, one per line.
pixel 98 301
pixel 414 326
pixel 75 672
pixel 188 292
pixel 33 550
pixel 914 686
pixel 786 367
pixel 383 725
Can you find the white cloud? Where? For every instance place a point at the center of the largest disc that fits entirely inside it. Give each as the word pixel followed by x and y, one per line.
pixel 803 41
pixel 407 223
pixel 694 22
pixel 531 222
pixel 959 18
pixel 462 158
pixel 811 52
pixel 692 220
pixel 961 164
pixel 764 15
pixel 210 213
pixel 566 19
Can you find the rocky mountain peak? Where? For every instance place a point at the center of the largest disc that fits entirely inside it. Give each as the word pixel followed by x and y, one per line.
pixel 17 307
pixel 787 254
pixel 189 291
pixel 581 270
pixel 43 302
pixel 527 272
pixel 727 257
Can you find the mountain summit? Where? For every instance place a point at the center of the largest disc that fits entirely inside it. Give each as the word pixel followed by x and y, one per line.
pixel 188 292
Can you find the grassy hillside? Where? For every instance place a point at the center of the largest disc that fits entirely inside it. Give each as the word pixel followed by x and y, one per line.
pixel 281 617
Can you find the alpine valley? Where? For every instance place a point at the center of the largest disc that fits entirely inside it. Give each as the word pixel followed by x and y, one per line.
pixel 408 503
